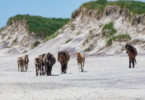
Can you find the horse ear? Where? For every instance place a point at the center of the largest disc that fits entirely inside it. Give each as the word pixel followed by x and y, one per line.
pixel 126 46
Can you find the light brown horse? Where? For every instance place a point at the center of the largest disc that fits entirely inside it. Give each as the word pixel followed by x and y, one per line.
pixel 63 58
pixel 25 61
pixel 132 53
pixel 81 61
pixel 20 64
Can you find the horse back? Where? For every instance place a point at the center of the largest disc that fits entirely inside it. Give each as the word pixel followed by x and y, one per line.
pixel 67 56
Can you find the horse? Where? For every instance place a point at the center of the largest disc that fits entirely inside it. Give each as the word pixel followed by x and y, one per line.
pixel 63 58
pixel 81 61
pixel 132 53
pixel 48 60
pixel 25 61
pixel 38 66
pixel 20 63
pixel 42 63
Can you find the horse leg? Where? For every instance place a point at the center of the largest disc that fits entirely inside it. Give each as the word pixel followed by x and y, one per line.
pixel 83 63
pixel 40 69
pixel 26 67
pixel 61 68
pixel 81 67
pixel 36 71
pixel 133 62
pixel 129 63
pixel 78 66
pixel 18 67
pixel 21 68
pixel 48 70
pixel 65 68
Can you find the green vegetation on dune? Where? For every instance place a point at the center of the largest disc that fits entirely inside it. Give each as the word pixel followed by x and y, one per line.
pixel 136 7
pixel 118 38
pixel 110 28
pixel 44 27
pixel 98 4
pixel 109 32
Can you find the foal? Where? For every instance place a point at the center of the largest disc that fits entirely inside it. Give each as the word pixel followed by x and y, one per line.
pixel 132 53
pixel 81 60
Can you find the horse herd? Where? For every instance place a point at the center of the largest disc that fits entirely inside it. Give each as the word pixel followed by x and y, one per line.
pixel 44 62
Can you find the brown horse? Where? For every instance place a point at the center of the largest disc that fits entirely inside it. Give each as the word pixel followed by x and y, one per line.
pixel 63 58
pixel 132 53
pixel 20 64
pixel 48 60
pixel 41 63
pixel 38 66
pixel 25 61
pixel 81 61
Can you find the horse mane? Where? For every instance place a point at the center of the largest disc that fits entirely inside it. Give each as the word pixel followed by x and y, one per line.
pixel 131 48
pixel 62 53
pixel 49 55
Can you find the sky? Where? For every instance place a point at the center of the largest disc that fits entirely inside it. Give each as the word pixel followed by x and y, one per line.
pixel 45 8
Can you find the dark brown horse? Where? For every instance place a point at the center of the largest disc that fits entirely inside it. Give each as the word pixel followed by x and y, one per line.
pixel 42 63
pixel 48 60
pixel 132 53
pixel 20 63
pixel 63 58
pixel 38 66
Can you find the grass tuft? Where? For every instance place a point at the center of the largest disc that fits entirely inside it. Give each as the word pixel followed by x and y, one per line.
pixel 122 37
pixel 109 30
pixel 136 7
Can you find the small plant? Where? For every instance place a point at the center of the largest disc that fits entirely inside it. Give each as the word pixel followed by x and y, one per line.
pixel 91 46
pixel 77 33
pixel 25 51
pixel 67 41
pixel 3 36
pixel 2 29
pixel 35 44
pixel 51 36
pixel 85 41
pixel 122 37
pixel 90 31
pixel 15 40
pixel 72 26
pixel 109 30
pixel 8 37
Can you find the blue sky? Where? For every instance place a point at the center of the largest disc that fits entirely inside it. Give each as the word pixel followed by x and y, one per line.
pixel 45 8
